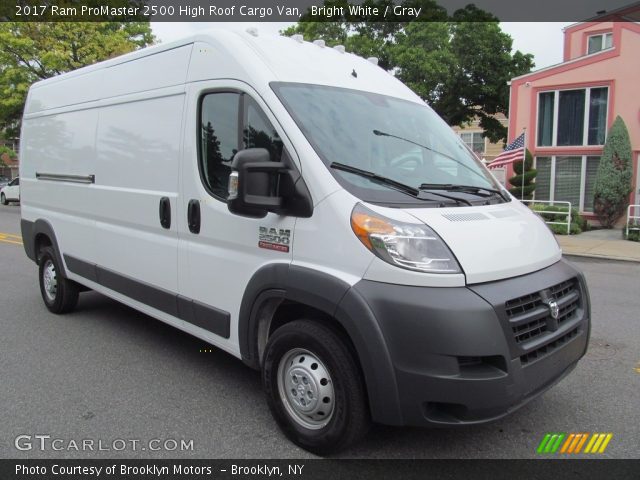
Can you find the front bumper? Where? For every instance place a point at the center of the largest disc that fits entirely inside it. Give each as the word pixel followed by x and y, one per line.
pixel 473 354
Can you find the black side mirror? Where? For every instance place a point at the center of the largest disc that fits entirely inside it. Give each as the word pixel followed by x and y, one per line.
pixel 258 186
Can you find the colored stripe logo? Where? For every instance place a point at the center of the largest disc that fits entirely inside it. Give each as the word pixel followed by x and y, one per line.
pixel 572 443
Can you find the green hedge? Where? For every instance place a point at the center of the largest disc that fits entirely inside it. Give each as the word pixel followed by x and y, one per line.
pixel 523 170
pixel 578 222
pixel 9 152
pixel 529 176
pixel 634 235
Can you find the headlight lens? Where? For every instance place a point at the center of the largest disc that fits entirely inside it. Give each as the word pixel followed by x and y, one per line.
pixel 408 245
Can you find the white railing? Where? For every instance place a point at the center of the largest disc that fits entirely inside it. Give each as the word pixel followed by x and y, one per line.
pixel 633 221
pixel 553 203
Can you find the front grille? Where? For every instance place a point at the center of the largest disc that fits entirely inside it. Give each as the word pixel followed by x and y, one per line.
pixel 562 289
pixel 529 330
pixel 545 350
pixel 523 304
pixel 530 315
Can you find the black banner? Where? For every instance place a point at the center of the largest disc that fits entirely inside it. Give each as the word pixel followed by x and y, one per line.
pixel 582 469
pixel 315 10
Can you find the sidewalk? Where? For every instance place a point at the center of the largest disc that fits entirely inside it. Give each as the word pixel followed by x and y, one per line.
pixel 600 244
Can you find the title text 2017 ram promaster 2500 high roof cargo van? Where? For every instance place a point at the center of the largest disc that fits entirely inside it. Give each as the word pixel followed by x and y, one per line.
pixel 300 208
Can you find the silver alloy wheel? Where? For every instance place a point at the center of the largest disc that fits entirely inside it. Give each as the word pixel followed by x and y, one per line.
pixel 306 389
pixel 50 280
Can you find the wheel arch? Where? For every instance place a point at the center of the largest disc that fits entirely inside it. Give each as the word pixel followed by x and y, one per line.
pixel 37 234
pixel 275 285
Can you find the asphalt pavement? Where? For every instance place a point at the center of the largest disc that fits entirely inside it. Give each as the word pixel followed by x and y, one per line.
pixel 106 373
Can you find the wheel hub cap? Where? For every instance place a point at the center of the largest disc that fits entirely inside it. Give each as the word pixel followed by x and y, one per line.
pixel 306 388
pixel 50 280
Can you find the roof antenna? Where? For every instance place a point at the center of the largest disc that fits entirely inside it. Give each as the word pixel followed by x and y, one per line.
pixel 354 74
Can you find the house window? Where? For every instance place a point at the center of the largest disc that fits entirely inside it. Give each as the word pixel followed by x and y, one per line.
pixel 543 178
pixel 572 117
pixel 567 179
pixel 597 116
pixel 566 186
pixel 474 140
pixel 602 41
pixel 546 108
pixel 592 170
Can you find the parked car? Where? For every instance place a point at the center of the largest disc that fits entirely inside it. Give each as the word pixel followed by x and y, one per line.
pixel 10 192
pixel 300 208
pixel 4 181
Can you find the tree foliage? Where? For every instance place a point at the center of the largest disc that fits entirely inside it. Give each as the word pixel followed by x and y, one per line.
pixel 32 51
pixel 613 180
pixel 525 169
pixel 6 154
pixel 459 64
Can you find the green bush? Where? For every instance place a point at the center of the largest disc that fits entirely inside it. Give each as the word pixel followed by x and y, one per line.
pixel 529 176
pixel 558 213
pixel 613 181
pixel 634 235
pixel 528 163
pixel 8 152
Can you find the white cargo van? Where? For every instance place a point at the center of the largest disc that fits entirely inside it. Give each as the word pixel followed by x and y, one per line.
pixel 302 209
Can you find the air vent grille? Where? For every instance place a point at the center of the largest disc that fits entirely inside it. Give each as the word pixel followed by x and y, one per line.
pixel 465 217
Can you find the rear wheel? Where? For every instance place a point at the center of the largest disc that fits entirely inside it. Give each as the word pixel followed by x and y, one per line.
pixel 60 294
pixel 3 200
pixel 314 387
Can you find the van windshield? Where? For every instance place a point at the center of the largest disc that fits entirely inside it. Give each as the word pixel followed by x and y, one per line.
pixel 393 138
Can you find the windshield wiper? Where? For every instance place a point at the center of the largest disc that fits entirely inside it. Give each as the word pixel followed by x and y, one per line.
pixel 450 157
pixel 401 187
pixel 457 199
pixel 374 177
pixel 450 187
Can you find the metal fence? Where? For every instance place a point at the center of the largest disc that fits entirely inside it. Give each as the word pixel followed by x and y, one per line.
pixel 553 203
pixel 633 221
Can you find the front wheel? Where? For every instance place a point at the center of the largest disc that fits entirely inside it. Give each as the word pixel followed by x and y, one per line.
pixel 60 294
pixel 314 387
pixel 3 200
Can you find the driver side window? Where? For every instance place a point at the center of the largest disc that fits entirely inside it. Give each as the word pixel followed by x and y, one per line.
pixel 229 122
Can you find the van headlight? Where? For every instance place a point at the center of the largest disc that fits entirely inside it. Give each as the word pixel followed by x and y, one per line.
pixel 412 246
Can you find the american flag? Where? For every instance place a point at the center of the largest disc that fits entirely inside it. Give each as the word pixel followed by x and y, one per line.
pixel 512 152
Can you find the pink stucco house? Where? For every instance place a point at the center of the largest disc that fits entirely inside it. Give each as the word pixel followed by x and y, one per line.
pixel 568 108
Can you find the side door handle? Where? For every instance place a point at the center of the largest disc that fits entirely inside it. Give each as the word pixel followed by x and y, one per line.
pixel 193 216
pixel 165 212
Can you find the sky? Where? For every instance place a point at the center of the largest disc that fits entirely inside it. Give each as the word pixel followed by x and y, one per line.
pixel 542 39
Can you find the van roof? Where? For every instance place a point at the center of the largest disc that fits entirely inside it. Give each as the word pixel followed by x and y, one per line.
pixel 269 57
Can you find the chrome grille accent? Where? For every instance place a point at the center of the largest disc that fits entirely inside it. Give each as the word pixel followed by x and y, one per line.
pixel 530 317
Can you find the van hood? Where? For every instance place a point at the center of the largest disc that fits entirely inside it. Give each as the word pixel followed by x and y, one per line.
pixel 493 242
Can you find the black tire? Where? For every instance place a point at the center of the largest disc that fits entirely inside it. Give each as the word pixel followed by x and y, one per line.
pixel 349 417
pixel 64 297
pixel 3 200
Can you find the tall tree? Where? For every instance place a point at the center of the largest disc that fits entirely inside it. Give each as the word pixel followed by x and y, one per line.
pixel 32 51
pixel 458 64
pixel 613 180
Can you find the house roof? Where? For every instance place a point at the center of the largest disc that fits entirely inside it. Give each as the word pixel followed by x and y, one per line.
pixel 582 60
pixel 628 13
